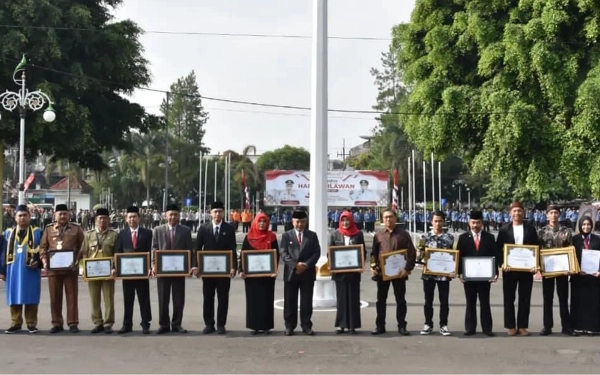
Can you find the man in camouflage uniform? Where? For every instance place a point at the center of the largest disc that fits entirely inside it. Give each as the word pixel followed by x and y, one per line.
pixel 553 236
pixel 436 239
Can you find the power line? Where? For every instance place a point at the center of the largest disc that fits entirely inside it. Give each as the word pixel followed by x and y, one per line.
pixel 197 33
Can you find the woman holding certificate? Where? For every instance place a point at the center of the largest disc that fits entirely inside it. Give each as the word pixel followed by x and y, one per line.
pixel 347 284
pixel 585 287
pixel 260 291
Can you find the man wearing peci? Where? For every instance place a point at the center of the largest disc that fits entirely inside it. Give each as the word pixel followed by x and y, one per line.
pixel 216 235
pixel 171 236
pixel 135 239
pixel 520 233
pixel 477 243
pixel 300 251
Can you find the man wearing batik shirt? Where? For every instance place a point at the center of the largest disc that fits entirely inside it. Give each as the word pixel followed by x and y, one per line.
pixel 436 239
pixel 553 236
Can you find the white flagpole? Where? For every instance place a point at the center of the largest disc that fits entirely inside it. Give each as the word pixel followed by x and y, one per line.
pixel 440 181
pixel 409 197
pixel 200 187
pixel 402 198
pixel 205 185
pixel 433 184
pixel 424 197
pixel 215 182
pixel 414 195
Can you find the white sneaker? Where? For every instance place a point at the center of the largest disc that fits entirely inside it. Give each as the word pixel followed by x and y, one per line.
pixel 445 331
pixel 426 330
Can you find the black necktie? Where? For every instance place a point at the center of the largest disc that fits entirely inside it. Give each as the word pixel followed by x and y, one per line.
pixel 216 233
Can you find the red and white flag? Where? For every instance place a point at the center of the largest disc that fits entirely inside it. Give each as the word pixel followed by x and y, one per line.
pixel 29 181
pixel 246 192
pixel 395 191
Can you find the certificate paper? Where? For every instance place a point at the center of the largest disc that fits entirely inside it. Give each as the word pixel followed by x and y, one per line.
pixel 258 263
pixel 475 268
pixel 132 266
pixel 441 262
pixel 556 263
pixel 173 263
pixel 215 263
pixel 98 268
pixel 394 264
pixel 521 258
pixel 590 261
pixel 61 259
pixel 346 259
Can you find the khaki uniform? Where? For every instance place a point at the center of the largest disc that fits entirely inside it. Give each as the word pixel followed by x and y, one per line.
pixel 71 238
pixel 101 245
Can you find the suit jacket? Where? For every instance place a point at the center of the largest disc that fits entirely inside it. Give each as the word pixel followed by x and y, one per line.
pixel 124 243
pixel 161 240
pixel 506 235
pixel 337 239
pixel 292 253
pixel 205 240
pixel 466 247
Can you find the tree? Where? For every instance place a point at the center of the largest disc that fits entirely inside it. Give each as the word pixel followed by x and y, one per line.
pixel 511 86
pixel 286 158
pixel 85 70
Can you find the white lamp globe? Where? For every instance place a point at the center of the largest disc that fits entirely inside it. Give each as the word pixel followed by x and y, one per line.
pixel 49 116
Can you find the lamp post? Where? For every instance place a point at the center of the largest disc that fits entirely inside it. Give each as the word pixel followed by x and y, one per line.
pixel 24 100
pixel 460 183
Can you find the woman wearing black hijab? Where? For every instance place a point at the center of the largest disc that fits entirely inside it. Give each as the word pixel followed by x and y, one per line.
pixel 585 288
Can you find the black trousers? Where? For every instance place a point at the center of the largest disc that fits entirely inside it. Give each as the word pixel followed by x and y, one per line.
pixel 166 286
pixel 290 303
pixel 383 288
pixel 220 286
pixel 142 288
pixel 510 281
pixel 562 289
pixel 473 290
pixel 443 293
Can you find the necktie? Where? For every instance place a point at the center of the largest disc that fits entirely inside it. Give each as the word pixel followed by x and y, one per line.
pixel 586 243
pixel 299 238
pixel 172 238
pixel 134 239
pixel 216 233
pixel 477 241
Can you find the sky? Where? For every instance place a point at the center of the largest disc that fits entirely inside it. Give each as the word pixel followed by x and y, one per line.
pixel 266 69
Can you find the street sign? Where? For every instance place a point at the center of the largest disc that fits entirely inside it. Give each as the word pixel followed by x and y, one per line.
pixel 188 202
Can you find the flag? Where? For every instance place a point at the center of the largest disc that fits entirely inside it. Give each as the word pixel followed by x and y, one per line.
pixel 395 191
pixel 30 179
pixel 246 192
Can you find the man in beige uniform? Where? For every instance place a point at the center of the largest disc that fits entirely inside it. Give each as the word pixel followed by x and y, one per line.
pixel 62 235
pixel 100 243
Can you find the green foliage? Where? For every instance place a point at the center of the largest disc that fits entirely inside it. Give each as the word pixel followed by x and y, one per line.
pixel 512 87
pixel 285 158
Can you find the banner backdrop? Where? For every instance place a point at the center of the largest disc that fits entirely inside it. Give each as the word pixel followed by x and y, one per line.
pixel 346 188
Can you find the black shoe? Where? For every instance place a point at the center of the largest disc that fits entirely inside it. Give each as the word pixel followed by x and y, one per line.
pixel 179 329
pixel 146 330
pixel 489 334
pixel 403 332
pixel 289 332
pixel 163 330
pixel 108 330
pixel 208 329
pixel 124 330
pixel 569 332
pixel 308 332
pixel 13 329
pixel 267 332
pixel 74 329
pixel 378 331
pixel 254 333
pixel 221 330
pixel 98 329
pixel 32 329
pixel 546 331
pixel 56 329
pixel 353 331
pixel 339 331
pixel 468 333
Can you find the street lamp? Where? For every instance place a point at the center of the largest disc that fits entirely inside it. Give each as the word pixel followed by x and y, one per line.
pixel 23 99
pixel 469 199
pixel 460 183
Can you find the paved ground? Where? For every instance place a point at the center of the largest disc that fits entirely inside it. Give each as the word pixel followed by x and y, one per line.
pixel 238 352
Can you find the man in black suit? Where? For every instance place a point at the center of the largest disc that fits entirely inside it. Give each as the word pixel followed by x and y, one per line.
pixel 216 235
pixel 520 233
pixel 135 239
pixel 171 236
pixel 477 243
pixel 300 251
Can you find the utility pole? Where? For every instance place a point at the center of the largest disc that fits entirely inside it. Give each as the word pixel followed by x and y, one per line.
pixel 343 155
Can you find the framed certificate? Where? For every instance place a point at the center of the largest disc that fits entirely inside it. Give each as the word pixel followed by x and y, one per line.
pixel 521 257
pixel 259 263
pixel 392 264
pixel 559 262
pixel 61 260
pixel 440 262
pixel 215 263
pixel 478 268
pixel 590 261
pixel 346 258
pixel 171 263
pixel 132 266
pixel 97 269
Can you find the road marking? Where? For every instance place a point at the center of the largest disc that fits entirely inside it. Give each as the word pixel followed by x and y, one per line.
pixel 279 306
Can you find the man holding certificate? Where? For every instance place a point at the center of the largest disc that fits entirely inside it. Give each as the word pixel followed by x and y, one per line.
pixel 472 245
pixel 216 235
pixel 20 268
pixel 63 240
pixel 520 233
pixel 100 243
pixel 553 236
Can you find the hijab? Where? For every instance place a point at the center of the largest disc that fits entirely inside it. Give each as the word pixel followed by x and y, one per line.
pixel 352 230
pixel 260 239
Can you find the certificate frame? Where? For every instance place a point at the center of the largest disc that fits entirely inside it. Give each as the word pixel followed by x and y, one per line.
pixel 382 262
pixel 86 261
pixel 427 254
pixel 360 257
pixel 54 251
pixel 573 262
pixel 509 247
pixel 146 259
pixel 486 258
pixel 187 256
pixel 227 254
pixel 245 254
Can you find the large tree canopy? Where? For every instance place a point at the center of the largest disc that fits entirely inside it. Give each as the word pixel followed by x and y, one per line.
pixel 84 61
pixel 511 85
